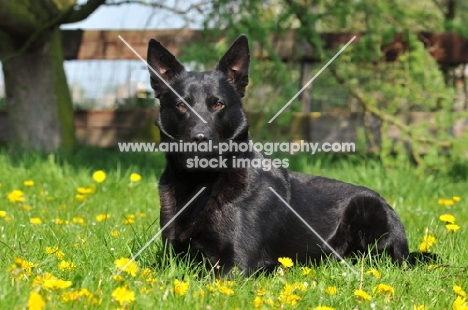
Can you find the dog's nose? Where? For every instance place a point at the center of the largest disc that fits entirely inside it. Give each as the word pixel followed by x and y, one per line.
pixel 201 136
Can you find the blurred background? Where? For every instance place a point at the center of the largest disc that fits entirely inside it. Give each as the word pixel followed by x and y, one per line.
pixel 398 91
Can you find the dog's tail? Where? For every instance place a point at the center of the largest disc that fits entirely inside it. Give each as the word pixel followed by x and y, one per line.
pixel 421 258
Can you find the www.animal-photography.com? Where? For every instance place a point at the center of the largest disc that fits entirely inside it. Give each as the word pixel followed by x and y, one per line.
pixel 233 154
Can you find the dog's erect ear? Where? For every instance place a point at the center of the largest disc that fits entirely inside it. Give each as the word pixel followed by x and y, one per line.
pixel 164 63
pixel 235 64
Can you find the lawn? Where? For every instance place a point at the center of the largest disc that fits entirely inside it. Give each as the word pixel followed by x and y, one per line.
pixel 68 226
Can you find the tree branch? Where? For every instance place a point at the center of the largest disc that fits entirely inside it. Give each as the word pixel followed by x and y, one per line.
pixel 35 35
pixel 82 11
pixel 198 6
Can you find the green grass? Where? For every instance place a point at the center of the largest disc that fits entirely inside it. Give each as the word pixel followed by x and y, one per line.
pixel 93 249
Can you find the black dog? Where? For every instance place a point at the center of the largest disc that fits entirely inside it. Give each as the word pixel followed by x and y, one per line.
pixel 237 220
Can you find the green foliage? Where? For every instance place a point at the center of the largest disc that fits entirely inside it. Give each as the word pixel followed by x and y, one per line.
pixel 407 96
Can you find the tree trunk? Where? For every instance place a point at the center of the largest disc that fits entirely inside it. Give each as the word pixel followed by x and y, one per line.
pixel 39 103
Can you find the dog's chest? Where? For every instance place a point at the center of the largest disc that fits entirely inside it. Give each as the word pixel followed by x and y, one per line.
pixel 206 224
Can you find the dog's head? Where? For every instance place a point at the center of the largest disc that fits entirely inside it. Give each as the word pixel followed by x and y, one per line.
pixel 201 106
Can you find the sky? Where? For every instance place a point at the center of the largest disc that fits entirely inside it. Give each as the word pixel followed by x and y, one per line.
pixel 131 16
pixel 97 77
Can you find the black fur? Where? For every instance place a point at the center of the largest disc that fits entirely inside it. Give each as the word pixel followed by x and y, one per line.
pixel 237 219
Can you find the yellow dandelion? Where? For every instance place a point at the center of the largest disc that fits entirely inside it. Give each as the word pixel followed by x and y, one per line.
pixel 452 227
pixel 460 303
pixel 129 219
pixel 362 295
pixel 449 202
pixel 21 269
pixel 459 291
pixel 76 295
pixel 2 213
pixel 383 289
pixel 66 266
pixel 56 284
pixel 48 281
pixel 147 273
pixel 85 190
pixel 419 307
pixel 35 301
pixel 127 265
pixel 115 233
pixel 26 208
pixel 118 278
pixel 424 247
pixel 79 220
pixel 123 295
pixel 181 287
pixel 39 280
pixel 35 221
pixel 289 299
pixel 258 302
pixel 447 218
pixel 99 176
pixel 96 301
pixel 85 293
pixel 301 286
pixel 306 271
pixel 261 292
pixel 135 177
pixel 427 243
pixel 331 290
pixel 374 272
pixel 431 240
pixel 225 287
pixel 102 217
pixel 323 308
pixel 80 197
pixel 287 295
pixel 145 290
pixel 210 288
pixel 58 221
pixel 151 281
pixel 28 183
pixel 55 251
pixel 70 296
pixel 288 289
pixel 286 262
pixel 15 196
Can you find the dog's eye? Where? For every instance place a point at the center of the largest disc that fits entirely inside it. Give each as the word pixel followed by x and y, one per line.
pixel 181 107
pixel 219 105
